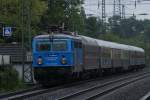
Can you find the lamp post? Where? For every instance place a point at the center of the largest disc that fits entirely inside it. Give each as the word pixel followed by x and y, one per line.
pixel 146 41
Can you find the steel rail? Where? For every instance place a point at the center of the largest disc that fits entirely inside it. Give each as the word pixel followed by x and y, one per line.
pixel 97 95
pixel 34 91
pixel 27 94
pixel 11 93
pixel 79 93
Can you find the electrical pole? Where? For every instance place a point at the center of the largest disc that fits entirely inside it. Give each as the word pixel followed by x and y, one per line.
pixel 123 11
pixel 116 19
pixel 26 34
pixel 103 17
pixel 117 8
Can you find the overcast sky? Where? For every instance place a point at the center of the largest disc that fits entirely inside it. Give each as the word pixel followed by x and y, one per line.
pixel 91 7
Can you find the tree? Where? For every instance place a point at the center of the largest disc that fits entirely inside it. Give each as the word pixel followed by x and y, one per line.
pixel 10 15
pixel 92 27
pixel 114 23
pixel 130 27
pixel 125 27
pixel 68 12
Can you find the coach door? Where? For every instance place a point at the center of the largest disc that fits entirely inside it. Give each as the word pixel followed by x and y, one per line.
pixel 78 55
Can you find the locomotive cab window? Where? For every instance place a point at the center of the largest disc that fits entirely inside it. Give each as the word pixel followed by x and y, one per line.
pixel 59 45
pixel 43 46
pixel 56 45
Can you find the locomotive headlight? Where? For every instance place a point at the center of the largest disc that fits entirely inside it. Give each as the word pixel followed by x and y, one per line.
pixel 63 60
pixel 40 61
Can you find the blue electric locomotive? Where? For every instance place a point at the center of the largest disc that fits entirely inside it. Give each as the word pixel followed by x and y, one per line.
pixel 55 56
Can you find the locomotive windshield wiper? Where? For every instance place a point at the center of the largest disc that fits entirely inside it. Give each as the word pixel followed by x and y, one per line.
pixel 51 37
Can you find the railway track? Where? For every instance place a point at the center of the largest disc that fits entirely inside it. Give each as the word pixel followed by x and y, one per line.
pixel 98 91
pixel 12 93
pixel 42 91
pixel 21 94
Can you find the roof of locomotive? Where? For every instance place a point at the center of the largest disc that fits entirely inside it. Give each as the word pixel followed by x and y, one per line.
pixel 55 36
pixel 92 41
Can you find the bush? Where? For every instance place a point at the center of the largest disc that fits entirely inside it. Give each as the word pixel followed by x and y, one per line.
pixel 9 79
pixel 2 40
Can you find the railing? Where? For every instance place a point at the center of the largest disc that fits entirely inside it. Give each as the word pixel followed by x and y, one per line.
pixel 10 59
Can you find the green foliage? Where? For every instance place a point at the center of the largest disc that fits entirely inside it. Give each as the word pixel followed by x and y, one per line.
pixel 2 41
pixel 92 27
pixel 9 79
pixel 146 24
pixel 44 13
pixel 115 24
pixel 9 8
pixel 68 12
pixel 136 41
pixel 131 27
pixel 125 27
pixel 110 37
pixel 10 15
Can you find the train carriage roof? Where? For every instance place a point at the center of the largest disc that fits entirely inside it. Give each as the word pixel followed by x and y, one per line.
pixel 92 41
pixel 136 48
pixel 119 46
pixel 111 45
pixel 88 40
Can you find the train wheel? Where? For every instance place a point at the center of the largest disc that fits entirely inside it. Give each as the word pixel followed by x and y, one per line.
pixel 100 73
